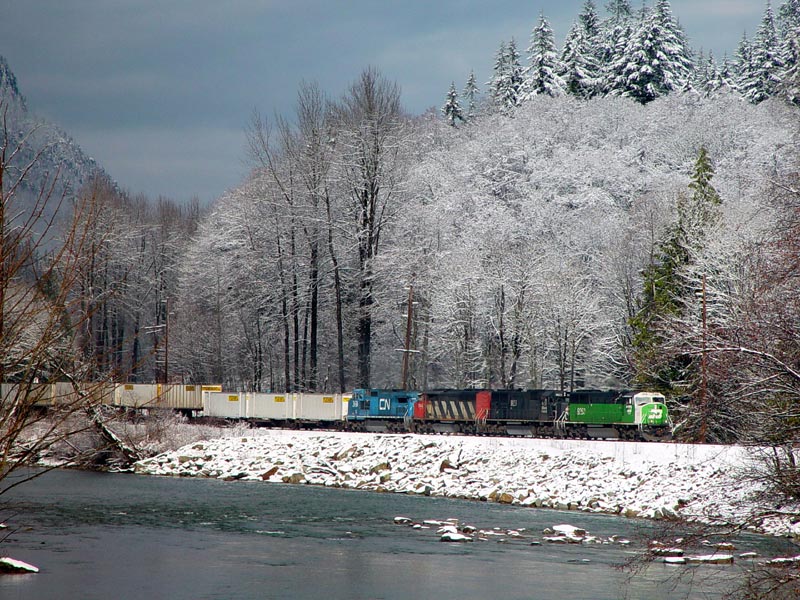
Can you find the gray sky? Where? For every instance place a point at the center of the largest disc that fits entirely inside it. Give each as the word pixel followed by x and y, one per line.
pixel 159 91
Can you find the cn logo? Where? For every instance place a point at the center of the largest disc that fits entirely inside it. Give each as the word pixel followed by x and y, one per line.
pixel 385 404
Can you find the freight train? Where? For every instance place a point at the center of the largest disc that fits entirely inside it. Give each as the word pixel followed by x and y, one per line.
pixel 533 413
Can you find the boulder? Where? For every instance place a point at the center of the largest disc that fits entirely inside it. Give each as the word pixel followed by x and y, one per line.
pixel 711 559
pixel 569 530
pixel 671 552
pixel 10 565
pixel 267 474
pixel 455 537
pixel 784 562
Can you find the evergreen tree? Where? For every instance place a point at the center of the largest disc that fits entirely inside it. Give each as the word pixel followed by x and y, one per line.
pixel 506 83
pixel 789 18
pixel 616 32
pixel 497 82
pixel 541 76
pixel 514 85
pixel 580 56
pixel 589 20
pixel 656 60
pixel 704 69
pixel 761 81
pixel 790 80
pixel 452 108
pixel 664 291
pixel 470 94
pixel 619 10
pixel 718 77
pixel 743 63
pixel 579 67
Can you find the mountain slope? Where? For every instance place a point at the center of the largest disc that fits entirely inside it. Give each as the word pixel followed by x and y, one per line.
pixel 49 149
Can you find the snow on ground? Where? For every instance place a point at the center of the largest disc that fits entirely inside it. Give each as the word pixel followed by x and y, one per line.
pixel 650 480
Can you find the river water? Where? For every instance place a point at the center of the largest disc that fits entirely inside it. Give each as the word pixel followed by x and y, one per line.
pixel 121 536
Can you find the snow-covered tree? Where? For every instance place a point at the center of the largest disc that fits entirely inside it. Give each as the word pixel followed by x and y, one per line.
pixel 763 75
pixel 580 68
pixel 506 83
pixel 615 34
pixel 657 59
pixel 664 290
pixel 470 95
pixel 541 76
pixel 790 81
pixel 619 10
pixel 452 107
pixel 589 20
pixel 789 18
pixel 743 62
pixel 369 126
pixel 717 78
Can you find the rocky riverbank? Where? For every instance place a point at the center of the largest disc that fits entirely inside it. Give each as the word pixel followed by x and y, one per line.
pixel 656 481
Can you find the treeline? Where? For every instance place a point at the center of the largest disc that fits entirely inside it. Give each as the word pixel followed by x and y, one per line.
pixel 641 54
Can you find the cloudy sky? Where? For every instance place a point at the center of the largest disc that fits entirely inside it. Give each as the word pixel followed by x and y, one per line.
pixel 160 91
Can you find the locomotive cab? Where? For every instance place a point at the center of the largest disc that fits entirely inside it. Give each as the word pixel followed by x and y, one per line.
pixel 650 409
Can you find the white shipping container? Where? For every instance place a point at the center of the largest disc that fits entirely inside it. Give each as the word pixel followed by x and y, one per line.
pixel 318 407
pixel 64 392
pixel 345 404
pixel 271 406
pixel 225 405
pixel 136 395
pixel 185 397
pixel 40 394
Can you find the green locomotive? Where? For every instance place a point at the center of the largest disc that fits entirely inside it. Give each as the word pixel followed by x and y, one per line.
pixel 627 416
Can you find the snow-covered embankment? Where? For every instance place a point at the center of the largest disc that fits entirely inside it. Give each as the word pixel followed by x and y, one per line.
pixel 660 481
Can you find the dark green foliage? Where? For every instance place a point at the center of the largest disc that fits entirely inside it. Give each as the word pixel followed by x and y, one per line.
pixel 664 288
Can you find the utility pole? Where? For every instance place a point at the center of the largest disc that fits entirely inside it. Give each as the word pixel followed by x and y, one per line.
pixel 407 349
pixel 703 380
pixel 166 346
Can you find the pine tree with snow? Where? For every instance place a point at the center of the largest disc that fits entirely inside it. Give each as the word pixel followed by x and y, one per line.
pixel 496 84
pixel 579 67
pixel 675 44
pixel 619 10
pixel 790 79
pixel 743 68
pixel 717 79
pixel 514 71
pixel 664 286
pixel 761 81
pixel 589 20
pixel 541 76
pixel 580 56
pixel 615 34
pixel 470 95
pixel 657 59
pixel 506 83
pixel 452 108
pixel 789 19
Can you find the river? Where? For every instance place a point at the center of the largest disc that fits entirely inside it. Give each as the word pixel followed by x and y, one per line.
pixel 121 536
